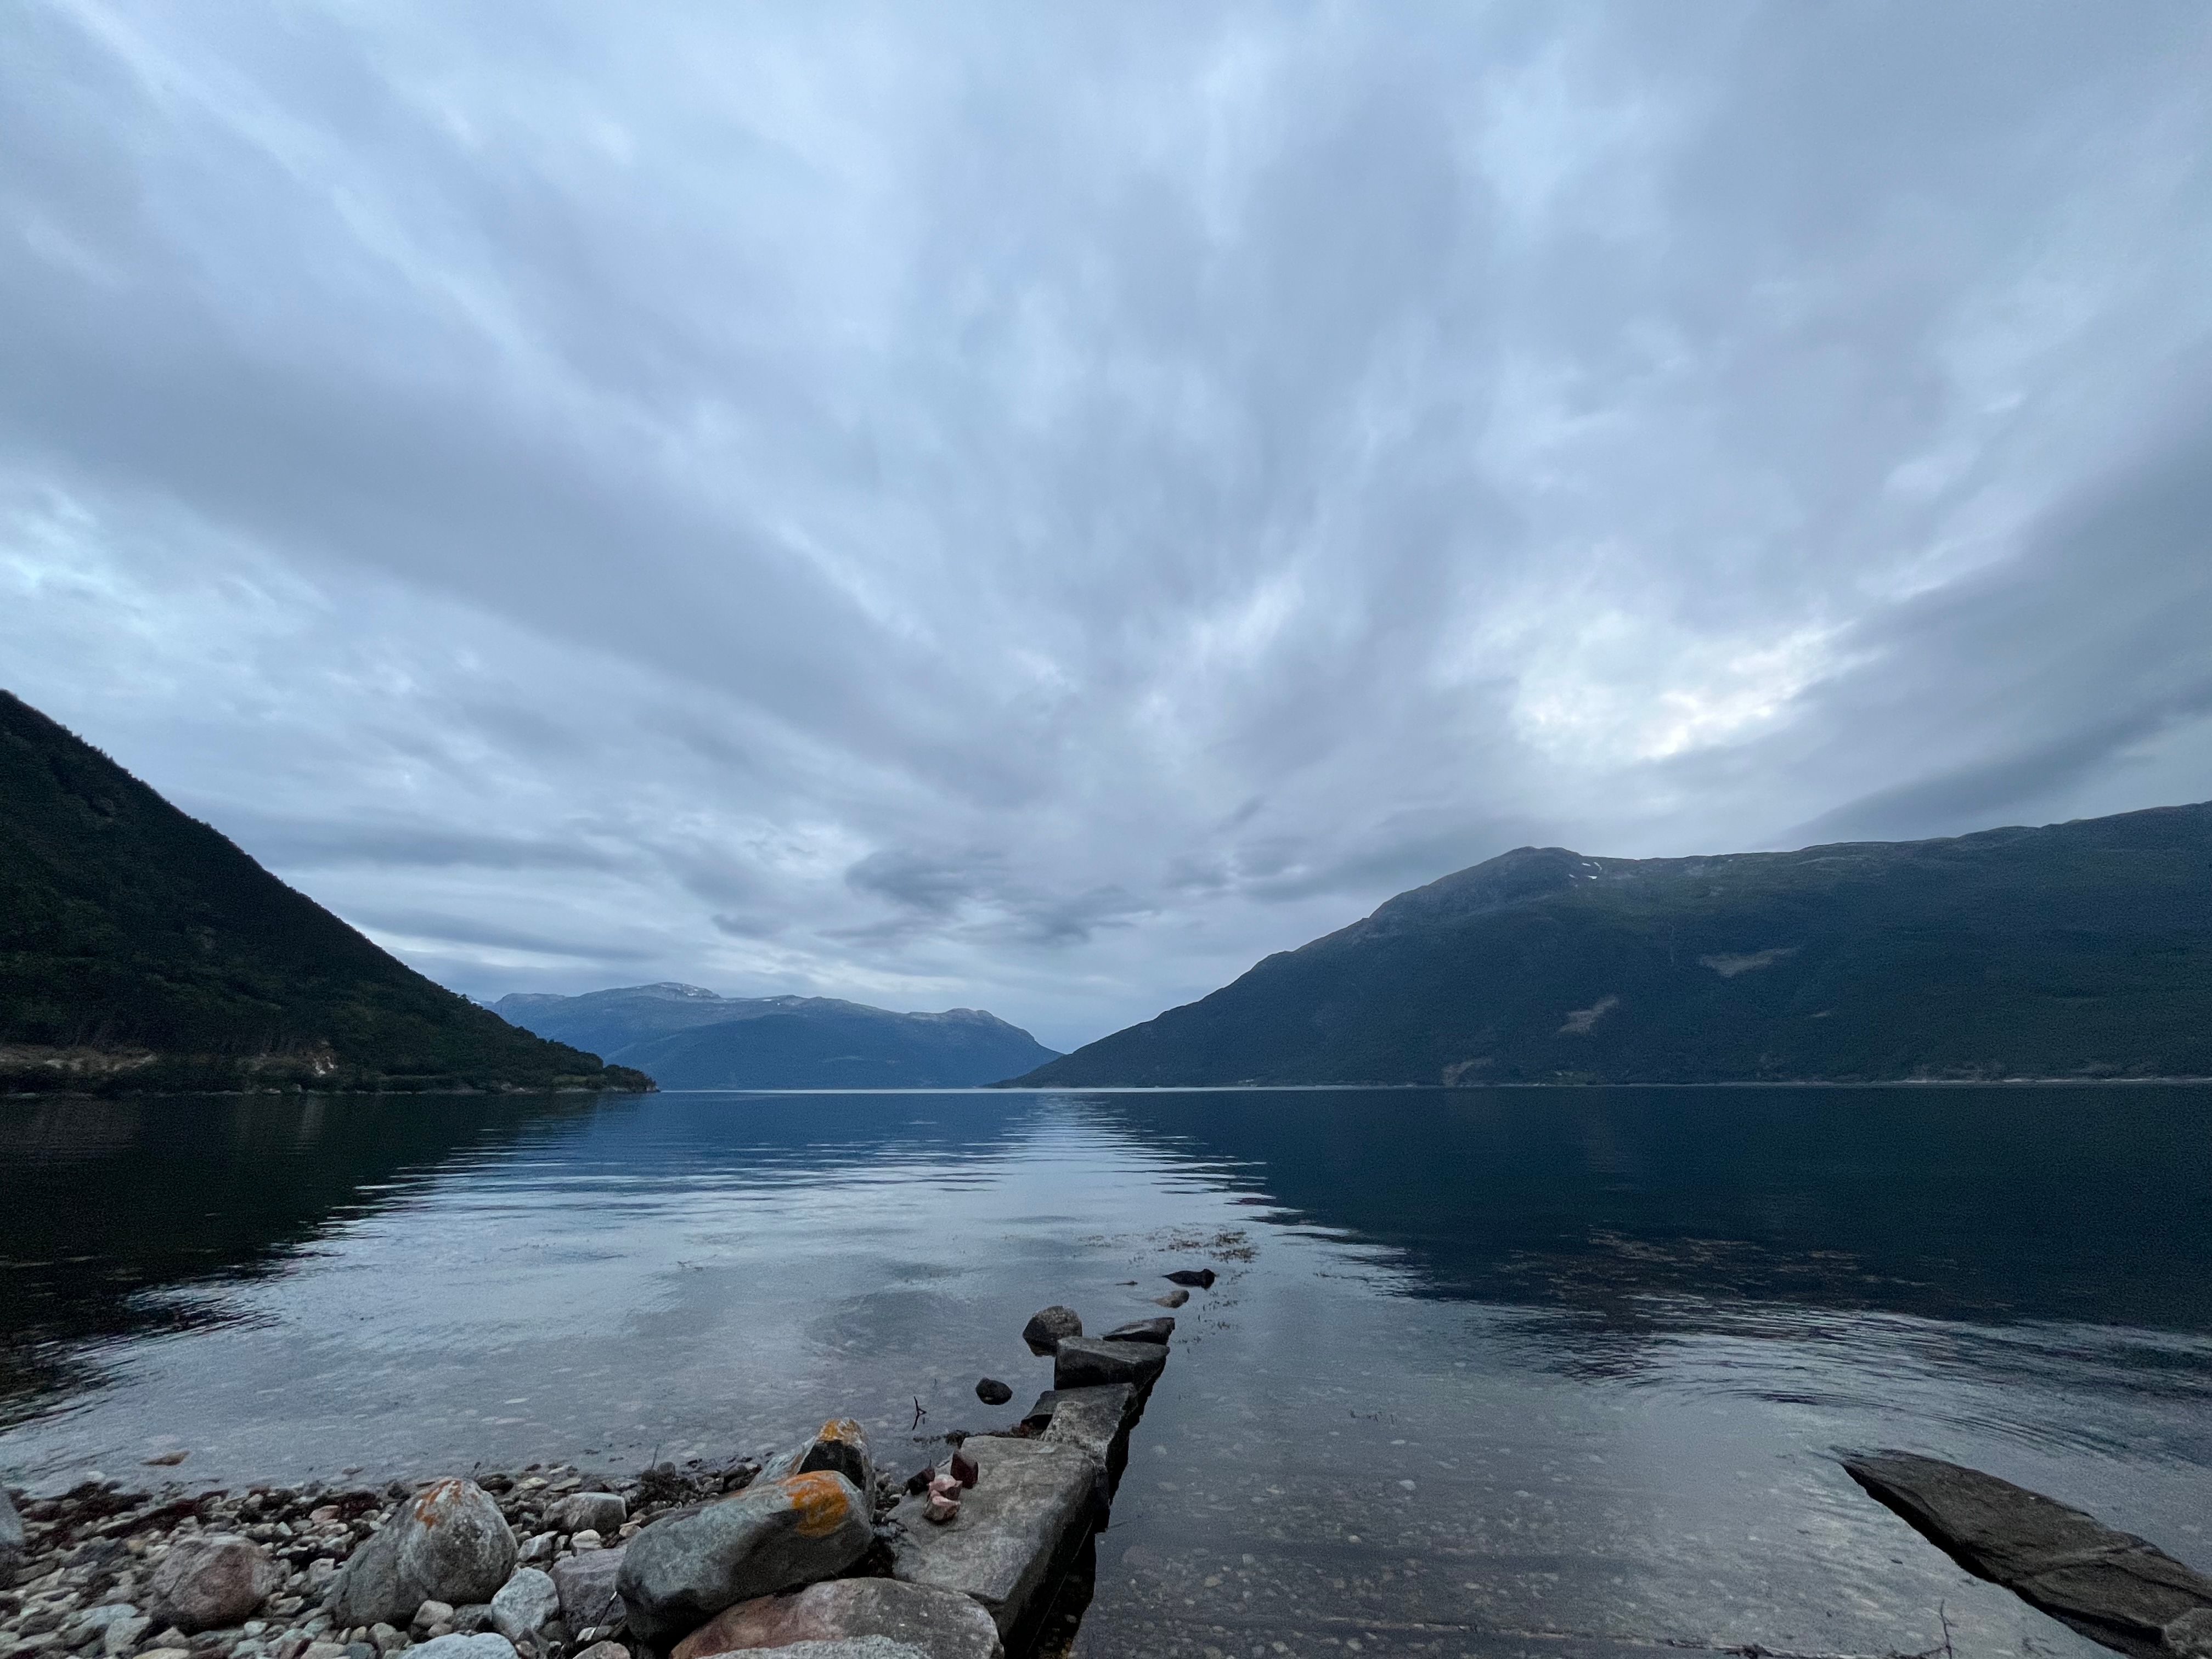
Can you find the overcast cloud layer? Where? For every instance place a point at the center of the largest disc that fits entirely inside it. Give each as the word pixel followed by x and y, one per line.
pixel 1035 507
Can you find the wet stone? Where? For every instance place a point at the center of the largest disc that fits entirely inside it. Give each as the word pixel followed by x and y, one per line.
pixel 1048 1326
pixel 1158 1330
pixel 1082 1362
pixel 937 1623
pixel 1031 1506
pixel 991 1392
pixel 776 1534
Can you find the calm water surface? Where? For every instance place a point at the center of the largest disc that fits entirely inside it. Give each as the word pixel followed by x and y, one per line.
pixel 1489 1372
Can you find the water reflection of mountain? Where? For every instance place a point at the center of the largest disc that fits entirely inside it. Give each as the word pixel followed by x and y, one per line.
pixel 118 1213
pixel 1999 1204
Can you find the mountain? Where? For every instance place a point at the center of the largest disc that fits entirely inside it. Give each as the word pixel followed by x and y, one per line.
pixel 688 1038
pixel 141 951
pixel 2074 950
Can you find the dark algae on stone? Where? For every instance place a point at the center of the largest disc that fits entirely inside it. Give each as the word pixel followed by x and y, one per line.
pixel 141 951
pixel 2076 951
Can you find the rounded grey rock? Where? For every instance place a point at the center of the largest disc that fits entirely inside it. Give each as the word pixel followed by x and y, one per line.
pixel 210 1581
pixel 1048 1326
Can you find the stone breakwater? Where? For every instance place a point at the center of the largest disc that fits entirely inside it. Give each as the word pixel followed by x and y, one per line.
pixel 817 1551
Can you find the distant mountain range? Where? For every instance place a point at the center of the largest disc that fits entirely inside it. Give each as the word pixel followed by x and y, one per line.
pixel 140 951
pixel 689 1038
pixel 2080 950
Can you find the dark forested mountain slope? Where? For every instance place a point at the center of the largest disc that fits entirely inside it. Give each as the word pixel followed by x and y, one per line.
pixel 140 949
pixel 688 1038
pixel 2076 949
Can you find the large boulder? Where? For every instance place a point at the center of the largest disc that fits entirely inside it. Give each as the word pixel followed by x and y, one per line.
pixel 525 1604
pixel 209 1581
pixel 602 1512
pixel 1050 1327
pixel 447 1543
pixel 1033 1503
pixel 2110 1585
pixel 936 1622
pixel 1083 1363
pixel 585 1581
pixel 774 1536
pixel 12 1540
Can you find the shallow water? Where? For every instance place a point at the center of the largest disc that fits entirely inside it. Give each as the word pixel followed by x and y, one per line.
pixel 1494 1372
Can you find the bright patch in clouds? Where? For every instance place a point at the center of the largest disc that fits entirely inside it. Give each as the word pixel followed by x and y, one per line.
pixel 1035 511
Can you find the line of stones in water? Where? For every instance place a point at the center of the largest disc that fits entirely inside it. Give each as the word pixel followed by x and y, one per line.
pixel 818 1553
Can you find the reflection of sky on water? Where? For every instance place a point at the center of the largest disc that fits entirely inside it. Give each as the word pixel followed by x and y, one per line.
pixel 1612 1345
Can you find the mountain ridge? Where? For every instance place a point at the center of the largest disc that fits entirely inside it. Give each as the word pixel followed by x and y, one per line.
pixel 2075 950
pixel 689 1037
pixel 143 950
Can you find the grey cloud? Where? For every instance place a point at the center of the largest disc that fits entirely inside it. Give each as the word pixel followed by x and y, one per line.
pixel 1037 515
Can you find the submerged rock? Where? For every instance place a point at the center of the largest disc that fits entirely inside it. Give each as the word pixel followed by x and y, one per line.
pixel 1048 1326
pixel 776 1534
pixel 210 1581
pixel 934 1622
pixel 1173 1298
pixel 2110 1586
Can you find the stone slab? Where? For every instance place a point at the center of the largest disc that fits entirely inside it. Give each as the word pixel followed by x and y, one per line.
pixel 1032 1504
pixel 1089 1362
pixel 937 1623
pixel 1095 1420
pixel 2110 1586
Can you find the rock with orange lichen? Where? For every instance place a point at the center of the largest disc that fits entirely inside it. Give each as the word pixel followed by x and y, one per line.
pixel 776 1536
pixel 939 1623
pixel 447 1543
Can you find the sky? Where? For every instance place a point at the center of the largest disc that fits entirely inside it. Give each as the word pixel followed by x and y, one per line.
pixel 1037 507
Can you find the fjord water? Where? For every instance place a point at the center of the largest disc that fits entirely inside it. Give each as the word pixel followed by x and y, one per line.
pixel 1486 1372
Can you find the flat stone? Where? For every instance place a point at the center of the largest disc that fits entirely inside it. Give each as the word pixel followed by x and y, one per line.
pixel 588 1512
pixel 1048 1326
pixel 935 1622
pixel 485 1644
pixel 447 1543
pixel 2110 1586
pixel 121 1635
pixel 1198 1279
pixel 854 1647
pixel 605 1651
pixel 774 1536
pixel 1096 1420
pixel 1031 1506
pixel 214 1579
pixel 525 1604
pixel 1085 1363
pixel 586 1585
pixel 1142 1330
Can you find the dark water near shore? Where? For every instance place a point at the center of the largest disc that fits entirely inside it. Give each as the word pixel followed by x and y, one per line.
pixel 1486 1372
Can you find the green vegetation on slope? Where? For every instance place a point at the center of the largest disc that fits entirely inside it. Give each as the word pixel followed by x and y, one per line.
pixel 2077 950
pixel 140 951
